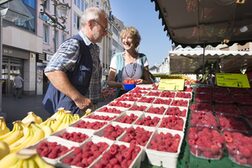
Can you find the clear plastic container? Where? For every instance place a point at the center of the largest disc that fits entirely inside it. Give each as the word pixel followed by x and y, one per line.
pixel 206 143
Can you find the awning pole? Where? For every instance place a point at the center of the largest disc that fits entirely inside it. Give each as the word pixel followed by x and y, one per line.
pixel 203 57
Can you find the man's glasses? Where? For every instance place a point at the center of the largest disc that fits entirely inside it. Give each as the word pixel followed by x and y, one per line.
pixel 104 29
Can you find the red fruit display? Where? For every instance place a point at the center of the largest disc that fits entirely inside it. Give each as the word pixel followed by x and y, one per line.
pixel 109 110
pixel 246 111
pixel 197 107
pixel 239 147
pixel 85 155
pixel 172 122
pixel 90 125
pixel 184 95
pixel 227 108
pixel 120 104
pixel 118 156
pixel 131 94
pixel 151 93
pixel 148 121
pixel 129 119
pixel 232 123
pixel 127 98
pixel 168 94
pixel 156 110
pixel 146 99
pixel 51 150
pixel 205 142
pixel 162 101
pixel 138 108
pixel 222 98
pixel 183 103
pixel 203 119
pixel 206 90
pixel 203 98
pixel 176 111
pixel 136 135
pixel 74 136
pixel 112 132
pixel 165 142
pixel 101 117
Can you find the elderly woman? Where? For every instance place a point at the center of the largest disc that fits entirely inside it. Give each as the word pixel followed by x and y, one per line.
pixel 129 64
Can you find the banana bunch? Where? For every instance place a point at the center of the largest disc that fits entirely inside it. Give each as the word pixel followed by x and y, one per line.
pixel 32 134
pixel 63 121
pixel 59 114
pixel 47 126
pixel 15 160
pixel 3 128
pixel 15 134
pixel 4 149
pixel 32 117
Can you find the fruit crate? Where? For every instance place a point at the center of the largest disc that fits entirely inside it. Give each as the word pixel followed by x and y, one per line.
pixel 163 101
pixel 102 116
pixel 158 109
pixel 70 130
pixel 173 123
pixel 91 154
pixel 122 105
pixel 138 108
pixel 124 149
pixel 56 143
pixel 110 109
pixel 162 158
pixel 147 120
pixel 90 125
pixel 101 132
pixel 175 110
pixel 128 117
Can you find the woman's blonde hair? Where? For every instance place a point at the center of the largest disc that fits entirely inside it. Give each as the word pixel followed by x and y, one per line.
pixel 133 33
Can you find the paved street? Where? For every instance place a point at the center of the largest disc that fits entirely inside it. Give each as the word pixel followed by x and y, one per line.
pixel 16 109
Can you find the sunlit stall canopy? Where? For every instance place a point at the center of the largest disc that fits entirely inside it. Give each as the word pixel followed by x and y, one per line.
pixel 190 60
pixel 200 22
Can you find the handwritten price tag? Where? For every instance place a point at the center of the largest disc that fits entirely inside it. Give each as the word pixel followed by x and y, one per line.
pixel 171 84
pixel 232 80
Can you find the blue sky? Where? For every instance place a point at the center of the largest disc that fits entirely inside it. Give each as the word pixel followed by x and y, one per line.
pixel 155 44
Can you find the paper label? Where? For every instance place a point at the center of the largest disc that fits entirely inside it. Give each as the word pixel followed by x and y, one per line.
pixel 232 80
pixel 171 84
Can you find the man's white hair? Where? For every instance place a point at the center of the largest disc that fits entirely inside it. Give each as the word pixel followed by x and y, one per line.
pixel 92 13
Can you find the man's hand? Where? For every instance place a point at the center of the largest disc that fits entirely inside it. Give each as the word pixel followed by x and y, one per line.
pixel 82 102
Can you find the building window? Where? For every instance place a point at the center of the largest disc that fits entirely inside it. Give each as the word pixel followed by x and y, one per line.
pixel 31 3
pixel 63 37
pixel 57 38
pixel 76 20
pixel 46 34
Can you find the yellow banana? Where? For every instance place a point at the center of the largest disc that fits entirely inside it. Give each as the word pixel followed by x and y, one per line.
pixel 24 142
pixel 59 114
pixel 32 117
pixel 41 163
pixel 49 122
pixel 47 130
pixel 25 163
pixel 19 164
pixel 3 128
pixel 9 160
pixel 76 117
pixel 15 134
pixel 38 134
pixel 27 133
pixel 4 149
pixel 35 135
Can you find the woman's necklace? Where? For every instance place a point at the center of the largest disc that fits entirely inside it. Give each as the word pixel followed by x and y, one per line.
pixel 132 67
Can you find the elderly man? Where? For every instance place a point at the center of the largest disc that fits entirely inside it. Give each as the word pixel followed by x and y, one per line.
pixel 75 64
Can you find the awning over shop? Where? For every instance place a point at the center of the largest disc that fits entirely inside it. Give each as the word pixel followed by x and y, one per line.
pixel 191 61
pixel 200 22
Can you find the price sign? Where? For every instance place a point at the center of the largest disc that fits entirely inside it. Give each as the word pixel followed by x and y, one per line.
pixel 171 84
pixel 232 80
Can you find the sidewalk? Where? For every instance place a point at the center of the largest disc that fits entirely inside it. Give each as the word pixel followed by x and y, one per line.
pixel 16 109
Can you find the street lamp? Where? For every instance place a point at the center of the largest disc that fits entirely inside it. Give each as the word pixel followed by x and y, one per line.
pixel 60 13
